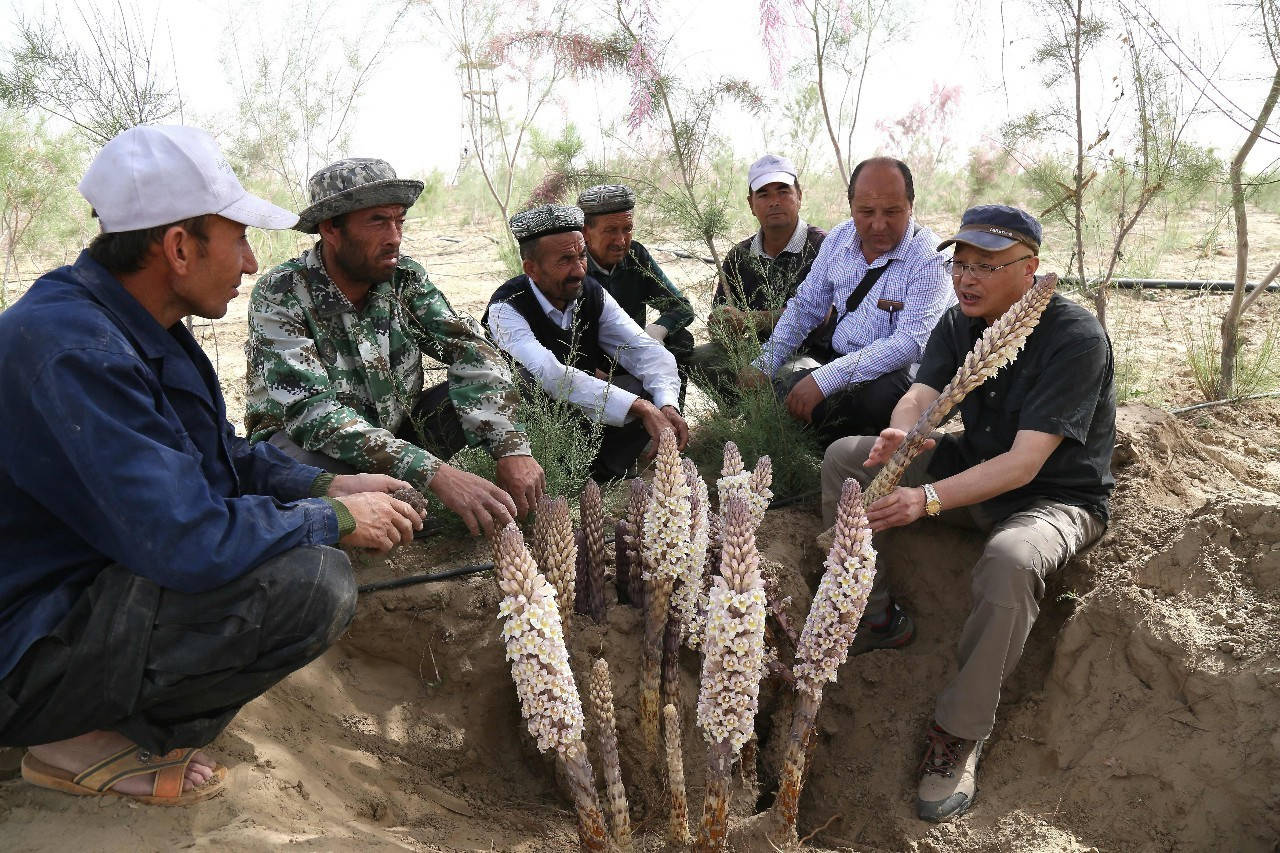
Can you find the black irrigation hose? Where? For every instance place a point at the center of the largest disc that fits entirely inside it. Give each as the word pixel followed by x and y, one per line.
pixel 1170 284
pixel 414 580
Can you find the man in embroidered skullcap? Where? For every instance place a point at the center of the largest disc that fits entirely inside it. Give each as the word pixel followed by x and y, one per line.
pixel 334 357
pixel 567 332
pixel 625 269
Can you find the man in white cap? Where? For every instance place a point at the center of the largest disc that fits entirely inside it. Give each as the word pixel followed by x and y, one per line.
pixel 758 275
pixel 158 572
pixel 334 357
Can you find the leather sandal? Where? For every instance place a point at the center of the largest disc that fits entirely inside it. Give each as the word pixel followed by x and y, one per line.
pixel 98 779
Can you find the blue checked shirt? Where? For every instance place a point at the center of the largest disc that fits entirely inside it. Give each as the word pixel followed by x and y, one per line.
pixel 872 341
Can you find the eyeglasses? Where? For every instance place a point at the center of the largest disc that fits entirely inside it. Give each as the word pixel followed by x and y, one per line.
pixel 981 272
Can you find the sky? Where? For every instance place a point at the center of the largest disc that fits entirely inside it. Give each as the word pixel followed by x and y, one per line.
pixel 410 111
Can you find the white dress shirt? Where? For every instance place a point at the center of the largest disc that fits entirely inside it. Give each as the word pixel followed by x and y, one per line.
pixel 620 339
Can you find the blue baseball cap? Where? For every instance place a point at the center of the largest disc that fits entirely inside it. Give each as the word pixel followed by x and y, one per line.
pixel 995 227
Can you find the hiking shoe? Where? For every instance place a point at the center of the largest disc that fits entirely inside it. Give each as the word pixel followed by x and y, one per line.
pixel 948 776
pixel 897 631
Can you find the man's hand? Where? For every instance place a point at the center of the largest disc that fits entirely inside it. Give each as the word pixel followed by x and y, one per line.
pixel 900 507
pixel 480 504
pixel 354 484
pixel 655 420
pixel 887 444
pixel 657 331
pixel 382 522
pixel 676 421
pixel 523 478
pixel 750 377
pixel 729 319
pixel 804 398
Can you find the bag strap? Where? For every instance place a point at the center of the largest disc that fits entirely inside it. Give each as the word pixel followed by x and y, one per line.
pixel 864 287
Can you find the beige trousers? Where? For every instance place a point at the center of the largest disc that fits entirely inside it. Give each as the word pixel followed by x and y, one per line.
pixel 1007 585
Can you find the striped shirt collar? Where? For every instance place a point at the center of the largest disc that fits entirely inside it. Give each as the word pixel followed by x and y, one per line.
pixel 794 245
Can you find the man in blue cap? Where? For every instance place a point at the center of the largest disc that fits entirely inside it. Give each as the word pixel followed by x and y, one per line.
pixel 1031 470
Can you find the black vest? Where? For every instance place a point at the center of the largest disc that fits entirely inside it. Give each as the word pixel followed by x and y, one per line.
pixel 577 346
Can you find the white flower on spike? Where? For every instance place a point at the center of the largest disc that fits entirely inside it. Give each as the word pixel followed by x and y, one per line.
pixel 535 646
pixel 752 487
pixel 668 545
pixel 689 601
pixel 734 639
pixel 841 598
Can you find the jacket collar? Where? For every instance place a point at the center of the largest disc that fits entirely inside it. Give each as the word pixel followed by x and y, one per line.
pixel 179 361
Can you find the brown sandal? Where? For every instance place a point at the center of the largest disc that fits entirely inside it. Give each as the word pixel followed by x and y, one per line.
pixel 96 781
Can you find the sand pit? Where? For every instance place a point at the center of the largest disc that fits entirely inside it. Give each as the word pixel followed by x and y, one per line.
pixel 1142 716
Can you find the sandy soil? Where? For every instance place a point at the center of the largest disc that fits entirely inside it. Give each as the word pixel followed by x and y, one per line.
pixel 1142 718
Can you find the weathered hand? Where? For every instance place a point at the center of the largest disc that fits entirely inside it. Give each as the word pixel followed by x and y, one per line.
pixel 523 478
pixel 354 484
pixel 677 423
pixel 729 319
pixel 750 377
pixel 901 506
pixel 480 504
pixel 887 444
pixel 382 522
pixel 804 397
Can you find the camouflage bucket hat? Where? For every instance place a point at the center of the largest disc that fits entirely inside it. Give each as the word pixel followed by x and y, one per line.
pixel 354 184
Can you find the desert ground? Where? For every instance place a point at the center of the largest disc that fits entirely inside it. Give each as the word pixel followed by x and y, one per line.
pixel 1142 718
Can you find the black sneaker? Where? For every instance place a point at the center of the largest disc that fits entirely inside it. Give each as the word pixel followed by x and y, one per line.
pixel 899 631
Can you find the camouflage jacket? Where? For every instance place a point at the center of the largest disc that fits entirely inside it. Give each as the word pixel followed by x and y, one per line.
pixel 341 382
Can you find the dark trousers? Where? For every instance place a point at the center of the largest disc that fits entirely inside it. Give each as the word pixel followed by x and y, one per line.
pixel 167 669
pixel 433 425
pixel 863 409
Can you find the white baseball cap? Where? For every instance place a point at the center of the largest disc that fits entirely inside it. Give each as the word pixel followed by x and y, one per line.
pixel 161 173
pixel 771 169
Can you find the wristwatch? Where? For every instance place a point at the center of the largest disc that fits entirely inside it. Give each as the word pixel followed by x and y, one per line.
pixel 932 506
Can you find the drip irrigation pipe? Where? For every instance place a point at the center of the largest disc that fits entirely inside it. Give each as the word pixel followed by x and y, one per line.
pixel 1170 284
pixel 1261 396
pixel 414 580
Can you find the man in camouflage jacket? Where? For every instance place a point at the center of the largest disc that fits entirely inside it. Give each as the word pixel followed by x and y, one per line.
pixel 334 357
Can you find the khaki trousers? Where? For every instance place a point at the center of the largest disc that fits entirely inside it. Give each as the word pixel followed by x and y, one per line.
pixel 1007 585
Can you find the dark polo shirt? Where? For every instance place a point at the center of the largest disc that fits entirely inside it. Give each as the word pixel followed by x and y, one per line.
pixel 1061 384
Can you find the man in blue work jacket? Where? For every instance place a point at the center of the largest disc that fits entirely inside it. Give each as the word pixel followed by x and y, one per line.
pixel 158 571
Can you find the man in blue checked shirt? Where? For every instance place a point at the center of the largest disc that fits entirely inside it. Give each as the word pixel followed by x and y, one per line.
pixel 881 273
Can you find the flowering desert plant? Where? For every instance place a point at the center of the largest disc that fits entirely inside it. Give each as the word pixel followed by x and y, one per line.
pixel 600 689
pixel 824 644
pixel 544 683
pixel 732 666
pixel 556 550
pixel 668 555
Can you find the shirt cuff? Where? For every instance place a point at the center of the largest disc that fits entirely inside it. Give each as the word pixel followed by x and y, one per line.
pixel 830 378
pixel 320 486
pixel 663 398
pixel 346 521
pixel 617 405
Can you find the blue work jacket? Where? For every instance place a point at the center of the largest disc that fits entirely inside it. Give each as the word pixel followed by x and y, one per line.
pixel 115 448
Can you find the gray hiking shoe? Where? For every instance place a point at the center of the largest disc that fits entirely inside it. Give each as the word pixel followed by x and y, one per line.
pixel 948 777
pixel 897 632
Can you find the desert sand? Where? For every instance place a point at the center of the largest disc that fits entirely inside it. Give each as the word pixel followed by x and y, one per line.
pixel 1142 718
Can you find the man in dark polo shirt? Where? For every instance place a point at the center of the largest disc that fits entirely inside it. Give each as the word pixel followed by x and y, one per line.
pixel 1032 470
pixel 625 269
pixel 568 333
pixel 759 275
